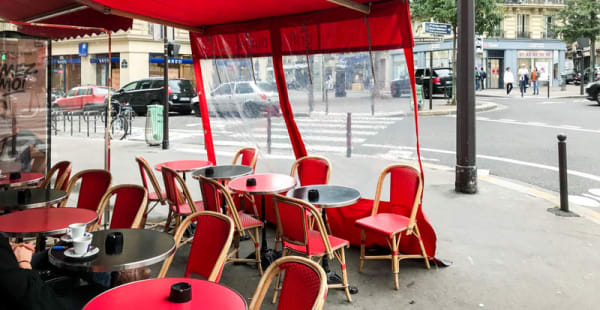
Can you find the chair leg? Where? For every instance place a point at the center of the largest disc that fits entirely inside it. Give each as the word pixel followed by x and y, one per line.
pixel 345 274
pixel 278 282
pixel 395 261
pixel 236 244
pixel 422 248
pixel 362 250
pixel 257 250
pixel 169 217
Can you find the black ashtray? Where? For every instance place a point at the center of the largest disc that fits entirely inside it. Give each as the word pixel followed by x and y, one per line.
pixel 250 182
pixel 313 194
pixel 14 176
pixel 23 195
pixel 114 243
pixel 209 171
pixel 180 292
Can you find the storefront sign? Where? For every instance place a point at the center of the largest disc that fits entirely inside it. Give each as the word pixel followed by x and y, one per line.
pixel 66 61
pixel 172 61
pixel 83 49
pixel 535 54
pixel 104 60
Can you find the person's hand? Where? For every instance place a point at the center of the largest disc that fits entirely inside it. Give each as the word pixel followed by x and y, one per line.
pixel 23 253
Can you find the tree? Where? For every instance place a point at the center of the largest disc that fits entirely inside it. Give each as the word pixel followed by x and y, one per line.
pixel 487 17
pixel 579 19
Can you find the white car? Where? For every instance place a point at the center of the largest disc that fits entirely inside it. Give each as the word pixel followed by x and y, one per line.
pixel 243 98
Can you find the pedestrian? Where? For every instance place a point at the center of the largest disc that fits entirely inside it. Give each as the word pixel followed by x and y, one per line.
pixel 509 79
pixel 476 78
pixel 535 81
pixel 482 77
pixel 523 74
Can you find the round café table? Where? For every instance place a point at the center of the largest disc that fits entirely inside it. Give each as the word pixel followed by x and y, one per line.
pixel 183 166
pixel 154 294
pixel 43 222
pixel 141 248
pixel 330 196
pixel 26 179
pixel 37 198
pixel 266 184
pixel 222 173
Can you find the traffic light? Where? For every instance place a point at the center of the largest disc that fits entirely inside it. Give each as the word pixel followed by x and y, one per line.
pixel 478 44
pixel 579 52
pixel 173 49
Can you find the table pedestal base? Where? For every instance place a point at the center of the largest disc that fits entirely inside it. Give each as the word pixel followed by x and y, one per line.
pixel 266 258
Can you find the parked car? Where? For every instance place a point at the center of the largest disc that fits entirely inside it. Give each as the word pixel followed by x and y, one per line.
pixel 87 98
pixel 243 97
pixel 400 86
pixel 442 81
pixel 593 91
pixel 570 76
pixel 139 94
pixel 57 94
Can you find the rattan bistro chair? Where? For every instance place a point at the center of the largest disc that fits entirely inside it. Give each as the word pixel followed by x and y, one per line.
pixel 155 197
pixel 130 204
pixel 311 170
pixel 94 184
pixel 211 190
pixel 179 198
pixel 63 172
pixel 304 284
pixel 208 252
pixel 392 226
pixel 247 156
pixel 293 216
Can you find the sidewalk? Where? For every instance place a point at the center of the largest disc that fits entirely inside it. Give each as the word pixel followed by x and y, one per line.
pixel 570 91
pixel 508 252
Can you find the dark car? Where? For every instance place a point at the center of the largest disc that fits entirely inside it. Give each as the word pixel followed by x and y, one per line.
pixel 593 91
pixel 139 94
pixel 570 76
pixel 400 87
pixel 442 81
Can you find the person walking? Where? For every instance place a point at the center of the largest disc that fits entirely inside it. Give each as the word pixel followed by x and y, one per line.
pixel 509 79
pixel 482 77
pixel 476 79
pixel 535 81
pixel 523 74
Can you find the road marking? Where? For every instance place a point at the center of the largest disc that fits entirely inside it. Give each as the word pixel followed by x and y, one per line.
pixel 495 158
pixel 507 120
pixel 534 124
pixel 323 131
pixel 594 191
pixel 591 196
pixel 584 201
pixel 570 127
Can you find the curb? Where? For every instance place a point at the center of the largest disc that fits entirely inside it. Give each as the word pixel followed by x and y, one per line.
pixel 551 97
pixel 479 108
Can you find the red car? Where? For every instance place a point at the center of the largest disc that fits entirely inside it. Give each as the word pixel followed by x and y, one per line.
pixel 85 98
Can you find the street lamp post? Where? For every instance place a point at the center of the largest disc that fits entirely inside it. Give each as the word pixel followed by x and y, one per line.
pixel 466 169
pixel 165 142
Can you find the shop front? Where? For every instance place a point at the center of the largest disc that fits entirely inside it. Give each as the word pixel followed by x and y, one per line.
pixel 66 72
pixel 179 68
pixel 100 62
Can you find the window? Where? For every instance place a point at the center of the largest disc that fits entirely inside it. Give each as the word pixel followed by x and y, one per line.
pixel 243 88
pixel 145 84
pixel 101 91
pixel 89 91
pixel 130 86
pixel 71 92
pixel 224 89
pixel 81 91
pixel 267 87
pixel 158 32
pixel 522 23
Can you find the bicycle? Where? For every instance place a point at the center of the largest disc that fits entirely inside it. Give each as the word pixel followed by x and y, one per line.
pixel 121 120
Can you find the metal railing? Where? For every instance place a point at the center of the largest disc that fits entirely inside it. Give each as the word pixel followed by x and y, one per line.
pixel 523 35
pixel 535 2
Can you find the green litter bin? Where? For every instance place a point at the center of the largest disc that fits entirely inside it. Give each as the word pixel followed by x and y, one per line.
pixel 154 124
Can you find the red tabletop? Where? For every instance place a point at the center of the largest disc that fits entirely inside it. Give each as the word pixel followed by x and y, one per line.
pixel 154 293
pixel 184 165
pixel 266 183
pixel 26 179
pixel 46 221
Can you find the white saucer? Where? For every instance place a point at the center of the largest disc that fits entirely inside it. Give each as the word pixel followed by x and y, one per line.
pixel 67 238
pixel 92 251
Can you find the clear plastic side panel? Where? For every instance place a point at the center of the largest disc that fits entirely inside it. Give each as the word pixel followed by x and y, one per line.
pixel 23 111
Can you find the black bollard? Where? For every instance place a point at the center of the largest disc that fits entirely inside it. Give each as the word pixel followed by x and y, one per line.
pixel 88 123
pixel 349 134
pixel 562 172
pixel 71 121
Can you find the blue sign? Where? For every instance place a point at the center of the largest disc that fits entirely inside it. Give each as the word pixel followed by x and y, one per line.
pixel 83 49
pixel 66 61
pixel 437 28
pixel 104 60
pixel 171 61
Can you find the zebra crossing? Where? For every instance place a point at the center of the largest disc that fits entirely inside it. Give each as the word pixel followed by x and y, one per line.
pixel 320 133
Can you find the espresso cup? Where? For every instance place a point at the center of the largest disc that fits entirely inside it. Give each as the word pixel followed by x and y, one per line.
pixel 77 230
pixel 81 244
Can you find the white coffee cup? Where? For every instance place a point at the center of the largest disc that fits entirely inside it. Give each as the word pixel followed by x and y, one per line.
pixel 77 230
pixel 81 244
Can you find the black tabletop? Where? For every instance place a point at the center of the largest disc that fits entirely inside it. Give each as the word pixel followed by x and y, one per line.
pixel 222 172
pixel 30 198
pixel 330 196
pixel 141 248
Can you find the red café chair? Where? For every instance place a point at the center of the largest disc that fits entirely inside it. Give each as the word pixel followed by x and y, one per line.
pixel 211 190
pixel 293 218
pixel 63 172
pixel 155 197
pixel 179 198
pixel 128 211
pixel 94 184
pixel 311 170
pixel 304 284
pixel 212 239
pixel 393 226
pixel 246 156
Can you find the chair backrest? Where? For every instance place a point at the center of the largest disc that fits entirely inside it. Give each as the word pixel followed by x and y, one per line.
pixel 212 239
pixel 63 172
pixel 292 221
pixel 311 170
pixel 177 191
pixel 304 284
pixel 94 184
pixel 211 197
pixel 146 170
pixel 249 156
pixel 130 204
pixel 406 186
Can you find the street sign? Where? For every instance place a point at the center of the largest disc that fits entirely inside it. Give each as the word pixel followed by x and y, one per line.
pixel 437 28
pixel 427 39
